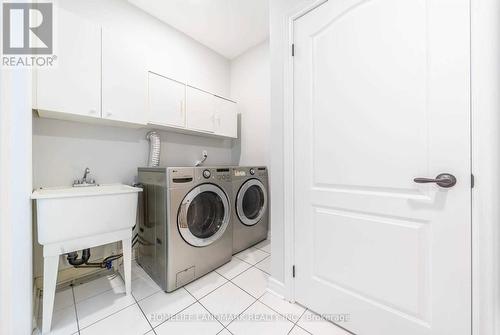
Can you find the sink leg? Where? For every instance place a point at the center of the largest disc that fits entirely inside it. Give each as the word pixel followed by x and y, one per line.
pixel 127 263
pixel 50 265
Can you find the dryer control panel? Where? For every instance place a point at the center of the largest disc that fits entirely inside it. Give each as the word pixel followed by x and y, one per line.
pixel 212 174
pixel 249 171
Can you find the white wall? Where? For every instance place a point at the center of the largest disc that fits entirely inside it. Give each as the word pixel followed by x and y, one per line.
pixel 16 280
pixel 62 150
pixel 250 87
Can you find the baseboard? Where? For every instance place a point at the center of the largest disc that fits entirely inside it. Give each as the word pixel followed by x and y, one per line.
pixel 276 287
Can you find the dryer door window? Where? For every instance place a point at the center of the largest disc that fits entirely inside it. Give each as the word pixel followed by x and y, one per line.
pixel 251 202
pixel 203 215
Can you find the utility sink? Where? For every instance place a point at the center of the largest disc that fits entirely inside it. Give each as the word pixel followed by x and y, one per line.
pixel 75 218
pixel 75 212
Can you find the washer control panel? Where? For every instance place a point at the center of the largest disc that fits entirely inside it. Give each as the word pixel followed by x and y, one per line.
pixel 223 174
pixel 213 174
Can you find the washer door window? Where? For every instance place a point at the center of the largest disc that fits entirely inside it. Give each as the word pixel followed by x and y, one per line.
pixel 203 215
pixel 251 202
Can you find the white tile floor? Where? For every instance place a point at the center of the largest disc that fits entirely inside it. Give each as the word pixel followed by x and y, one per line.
pixel 229 300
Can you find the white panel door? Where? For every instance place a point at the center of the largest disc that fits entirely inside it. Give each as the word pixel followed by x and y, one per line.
pixel 226 118
pixel 200 110
pixel 124 78
pixel 381 96
pixel 167 100
pixel 73 84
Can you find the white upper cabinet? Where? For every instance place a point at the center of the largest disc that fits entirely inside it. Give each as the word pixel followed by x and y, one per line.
pixel 174 104
pixel 124 79
pixel 72 86
pixel 103 74
pixel 200 110
pixel 226 117
pixel 167 99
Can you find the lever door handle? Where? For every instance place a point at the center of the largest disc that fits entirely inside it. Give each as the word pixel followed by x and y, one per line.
pixel 445 180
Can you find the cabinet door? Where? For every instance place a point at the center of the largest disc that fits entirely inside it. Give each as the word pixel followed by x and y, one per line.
pixel 124 78
pixel 73 84
pixel 200 110
pixel 167 99
pixel 226 118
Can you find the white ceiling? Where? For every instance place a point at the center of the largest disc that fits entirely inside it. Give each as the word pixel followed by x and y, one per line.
pixel 229 27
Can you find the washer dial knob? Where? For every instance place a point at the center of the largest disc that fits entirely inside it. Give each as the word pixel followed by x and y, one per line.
pixel 206 174
pixel 252 171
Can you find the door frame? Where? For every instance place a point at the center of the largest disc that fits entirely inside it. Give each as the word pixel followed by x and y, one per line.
pixel 484 162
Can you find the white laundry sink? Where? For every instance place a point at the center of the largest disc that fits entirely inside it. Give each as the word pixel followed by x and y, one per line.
pixel 70 213
pixel 75 218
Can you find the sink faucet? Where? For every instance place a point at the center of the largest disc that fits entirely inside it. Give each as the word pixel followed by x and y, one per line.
pixel 87 171
pixel 84 181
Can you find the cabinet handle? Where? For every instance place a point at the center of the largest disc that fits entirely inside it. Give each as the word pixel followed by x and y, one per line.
pixel 181 105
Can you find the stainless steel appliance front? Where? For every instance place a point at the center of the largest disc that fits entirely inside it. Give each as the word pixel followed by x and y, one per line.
pixel 250 213
pixel 186 231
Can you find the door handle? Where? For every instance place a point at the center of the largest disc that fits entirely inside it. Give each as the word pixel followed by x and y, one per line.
pixel 445 180
pixel 183 215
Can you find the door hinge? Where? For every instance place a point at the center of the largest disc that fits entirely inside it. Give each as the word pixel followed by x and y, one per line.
pixel 471 181
pixel 293 49
pixel 293 271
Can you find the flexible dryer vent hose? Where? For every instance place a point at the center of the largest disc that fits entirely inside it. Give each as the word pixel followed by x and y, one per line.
pixel 154 148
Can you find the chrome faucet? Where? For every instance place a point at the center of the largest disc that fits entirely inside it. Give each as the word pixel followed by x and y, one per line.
pixel 87 171
pixel 84 181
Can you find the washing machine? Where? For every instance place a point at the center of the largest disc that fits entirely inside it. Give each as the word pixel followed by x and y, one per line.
pixel 250 206
pixel 186 230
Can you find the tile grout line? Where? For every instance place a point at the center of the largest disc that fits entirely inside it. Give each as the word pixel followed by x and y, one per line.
pixel 112 288
pixel 296 324
pixel 231 281
pixel 191 304
pixel 149 295
pixel 268 255
pixel 323 319
pixel 258 299
pixel 251 266
pixel 246 290
pixel 198 301
pixel 203 296
pixel 255 245
pixel 137 303
pixel 300 317
pixel 253 303
pixel 107 316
